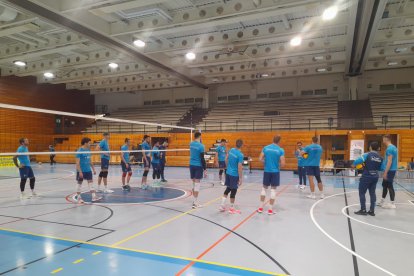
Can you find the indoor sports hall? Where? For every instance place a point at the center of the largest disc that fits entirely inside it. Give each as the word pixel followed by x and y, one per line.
pixel 207 137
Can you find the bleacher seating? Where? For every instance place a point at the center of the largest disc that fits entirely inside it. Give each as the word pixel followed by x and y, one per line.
pixel 397 105
pixel 294 114
pixel 167 115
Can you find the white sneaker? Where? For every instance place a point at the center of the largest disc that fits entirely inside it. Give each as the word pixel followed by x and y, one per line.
pixel 221 183
pixel 322 196
pixel 311 196
pixel 389 206
pixel 302 187
pixel 22 196
pixel 99 190
pixel 222 208
pixel 108 191
pixel 380 203
pixel 34 194
pixel 195 206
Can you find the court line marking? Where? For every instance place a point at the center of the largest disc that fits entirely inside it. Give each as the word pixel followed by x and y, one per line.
pixel 373 225
pixel 56 270
pixel 161 223
pixel 311 212
pixel 228 234
pixel 137 251
pixel 78 261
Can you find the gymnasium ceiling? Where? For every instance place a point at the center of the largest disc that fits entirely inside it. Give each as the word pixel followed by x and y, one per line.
pixel 232 40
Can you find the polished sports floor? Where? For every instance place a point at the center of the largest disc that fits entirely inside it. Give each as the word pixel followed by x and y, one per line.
pixel 155 232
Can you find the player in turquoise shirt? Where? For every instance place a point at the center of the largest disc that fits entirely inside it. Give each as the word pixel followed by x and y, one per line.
pixel 84 168
pixel 301 166
pixel 126 166
pixel 390 166
pixel 234 177
pixel 103 174
pixel 155 156
pixel 273 157
pixel 221 154
pixel 312 164
pixel 25 169
pixel 197 166
pixel 146 159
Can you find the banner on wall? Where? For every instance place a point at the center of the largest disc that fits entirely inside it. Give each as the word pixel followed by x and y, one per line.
pixel 356 149
pixel 6 161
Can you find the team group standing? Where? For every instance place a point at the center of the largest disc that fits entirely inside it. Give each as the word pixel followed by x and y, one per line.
pixel 230 164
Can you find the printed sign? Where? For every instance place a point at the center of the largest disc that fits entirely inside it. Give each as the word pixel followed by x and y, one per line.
pixel 356 149
pixel 6 161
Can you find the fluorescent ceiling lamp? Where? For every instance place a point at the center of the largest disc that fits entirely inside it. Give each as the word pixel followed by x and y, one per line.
pixel 139 43
pixel 48 75
pixel 330 13
pixel 319 58
pixel 265 75
pixel 296 41
pixel 113 65
pixel 321 70
pixel 190 56
pixel 392 63
pixel 400 50
pixel 19 63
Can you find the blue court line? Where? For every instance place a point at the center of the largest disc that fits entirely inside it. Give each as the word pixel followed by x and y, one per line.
pixel 42 255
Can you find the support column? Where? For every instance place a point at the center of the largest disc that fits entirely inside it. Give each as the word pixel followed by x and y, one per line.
pixel 353 88
pixel 206 99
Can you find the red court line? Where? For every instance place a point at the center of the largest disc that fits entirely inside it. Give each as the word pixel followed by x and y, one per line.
pixel 224 237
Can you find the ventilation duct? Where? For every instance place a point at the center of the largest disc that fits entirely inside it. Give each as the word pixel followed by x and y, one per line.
pixel 7 14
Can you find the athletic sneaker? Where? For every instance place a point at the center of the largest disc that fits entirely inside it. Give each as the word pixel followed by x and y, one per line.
pixel 144 187
pixel 270 212
pixel 302 187
pixel 311 196
pixel 99 190
pixel 361 212
pixel 260 210
pixel 380 203
pixel 221 183
pixel 108 191
pixel 34 194
pixel 22 196
pixel 195 206
pixel 222 208
pixel 389 206
pixel 322 196
pixel 125 187
pixel 371 213
pixel 94 199
pixel 164 180
pixel 234 211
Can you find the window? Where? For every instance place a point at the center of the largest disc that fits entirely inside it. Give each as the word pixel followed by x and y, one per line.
pixel 403 86
pixel 321 92
pixel 287 94
pixel 147 102
pixel 384 87
pixel 306 92
pixel 271 113
pixel 233 98
pixel 189 100
pixel 244 97
pixel 222 98
pixel 157 102
pixel 274 95
pixel 262 96
pixel 198 100
pixel 165 101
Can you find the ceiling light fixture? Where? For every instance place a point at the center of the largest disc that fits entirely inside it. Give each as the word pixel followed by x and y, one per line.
pixel 139 43
pixel 296 41
pixel 265 75
pixel 392 63
pixel 319 58
pixel 113 65
pixel 330 13
pixel 321 70
pixel 48 75
pixel 400 50
pixel 190 56
pixel 19 63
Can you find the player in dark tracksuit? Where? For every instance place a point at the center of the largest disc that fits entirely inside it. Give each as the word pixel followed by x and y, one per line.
pixel 371 164
pixel 163 160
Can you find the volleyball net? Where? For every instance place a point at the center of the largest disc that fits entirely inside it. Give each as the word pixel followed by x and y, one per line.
pixel 55 136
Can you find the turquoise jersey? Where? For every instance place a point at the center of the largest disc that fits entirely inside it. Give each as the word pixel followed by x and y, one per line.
pixel 391 150
pixel 196 148
pixel 84 160
pixel 155 155
pixel 126 153
pixel 235 158
pixel 104 146
pixel 221 151
pixel 23 159
pixel 272 154
pixel 315 153
pixel 301 160
pixel 145 146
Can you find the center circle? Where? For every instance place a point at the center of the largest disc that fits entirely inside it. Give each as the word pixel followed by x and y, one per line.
pixel 135 195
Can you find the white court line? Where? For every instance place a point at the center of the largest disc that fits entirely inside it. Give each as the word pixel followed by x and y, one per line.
pixel 337 242
pixel 373 225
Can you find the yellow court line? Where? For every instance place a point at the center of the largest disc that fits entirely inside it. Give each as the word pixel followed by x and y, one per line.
pixel 96 253
pixel 161 224
pixel 56 270
pixel 78 261
pixel 139 251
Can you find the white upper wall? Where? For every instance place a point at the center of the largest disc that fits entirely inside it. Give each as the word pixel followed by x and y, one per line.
pixel 335 84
